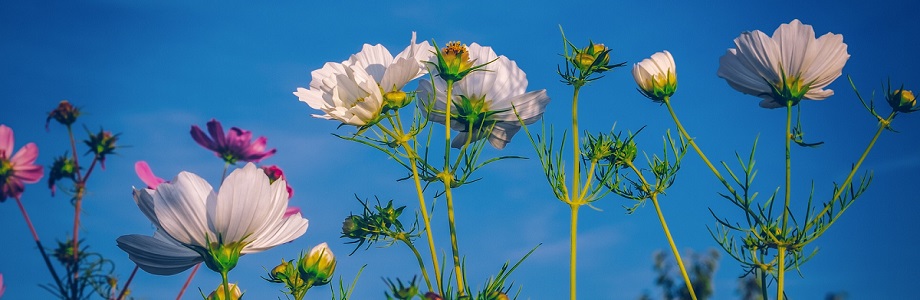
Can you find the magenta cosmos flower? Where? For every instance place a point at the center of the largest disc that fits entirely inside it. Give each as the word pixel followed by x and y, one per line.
pixel 236 145
pixel 19 169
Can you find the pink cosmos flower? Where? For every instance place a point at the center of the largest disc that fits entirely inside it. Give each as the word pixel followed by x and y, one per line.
pixel 18 169
pixel 275 173
pixel 2 287
pixel 146 175
pixel 236 145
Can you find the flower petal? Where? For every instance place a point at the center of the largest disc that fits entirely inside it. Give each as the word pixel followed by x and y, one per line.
pixel 180 209
pixel 156 256
pixel 6 141
pixel 245 203
pixel 23 167
pixel 146 175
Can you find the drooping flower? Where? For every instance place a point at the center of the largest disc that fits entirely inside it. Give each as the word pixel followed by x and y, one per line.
pixel 788 67
pixel 484 103
pixel 656 76
pixel 196 224
pixel 357 90
pixel 236 145
pixel 16 169
pixel 146 175
pixel 65 113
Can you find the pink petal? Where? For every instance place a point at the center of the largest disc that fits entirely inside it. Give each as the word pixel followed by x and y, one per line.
pixel 291 210
pixel 29 173
pixel 146 175
pixel 26 155
pixel 6 141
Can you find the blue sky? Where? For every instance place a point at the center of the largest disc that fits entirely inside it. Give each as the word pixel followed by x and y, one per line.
pixel 151 69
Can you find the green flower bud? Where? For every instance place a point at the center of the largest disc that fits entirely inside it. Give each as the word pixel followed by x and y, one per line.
pixel 396 99
pixel 902 100
pixel 101 144
pixel 63 167
pixel 454 62
pixel 318 266
pixel 593 58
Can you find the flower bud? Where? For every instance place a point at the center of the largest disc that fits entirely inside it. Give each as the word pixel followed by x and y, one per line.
pixel 279 274
pixel 351 227
pixel 623 151
pixel 317 267
pixel 432 296
pixel 101 144
pixel 63 167
pixel 593 58
pixel 656 76
pixel 902 100
pixel 396 99
pixel 65 253
pixel 65 114
pixel 221 294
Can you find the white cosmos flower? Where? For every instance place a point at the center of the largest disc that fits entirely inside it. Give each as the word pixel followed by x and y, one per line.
pixel 656 76
pixel 494 93
pixel 356 90
pixel 194 223
pixel 791 65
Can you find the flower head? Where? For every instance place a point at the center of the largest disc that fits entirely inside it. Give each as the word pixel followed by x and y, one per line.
pixel 101 144
pixel 786 68
pixel 196 224
pixel 318 265
pixel 656 76
pixel 485 104
pixel 454 62
pixel 356 91
pixel 16 169
pixel 236 145
pixel 593 58
pixel 65 113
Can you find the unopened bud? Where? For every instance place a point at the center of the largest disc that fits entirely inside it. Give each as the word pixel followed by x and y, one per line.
pixel 65 114
pixel 318 266
pixel 221 294
pixel 902 101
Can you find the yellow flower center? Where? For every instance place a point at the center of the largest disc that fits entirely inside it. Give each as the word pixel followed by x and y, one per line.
pixel 908 97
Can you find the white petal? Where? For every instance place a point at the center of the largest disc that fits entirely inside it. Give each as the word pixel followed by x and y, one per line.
pixel 287 230
pixel 739 76
pixel 180 208
pixel 502 134
pixel 793 40
pixel 243 204
pixel 373 59
pixel 144 200
pixel 529 107
pixel 157 256
pixel 399 74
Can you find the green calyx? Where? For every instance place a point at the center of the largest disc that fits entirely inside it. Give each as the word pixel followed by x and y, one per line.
pixel 473 112
pixel 221 257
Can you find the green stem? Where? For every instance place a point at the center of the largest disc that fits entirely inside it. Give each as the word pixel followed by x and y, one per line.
pixel 683 132
pixel 421 263
pixel 664 226
pixel 425 218
pixel 223 175
pixel 573 249
pixel 223 277
pixel 882 125
pixel 667 233
pixel 788 140
pixel 781 272
pixel 576 198
pixel 447 179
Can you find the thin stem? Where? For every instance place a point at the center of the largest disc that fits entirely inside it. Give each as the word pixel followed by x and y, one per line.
pixel 683 131
pixel 788 140
pixel 763 283
pixel 421 264
pixel 226 285
pixel 576 149
pixel 41 249
pixel 447 178
pixel 653 195
pixel 187 281
pixel 576 198
pixel 587 186
pixel 882 125
pixel 124 289
pixel 223 175
pixel 781 272
pixel 573 249
pixel 80 193
pixel 425 218
pixel 667 233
